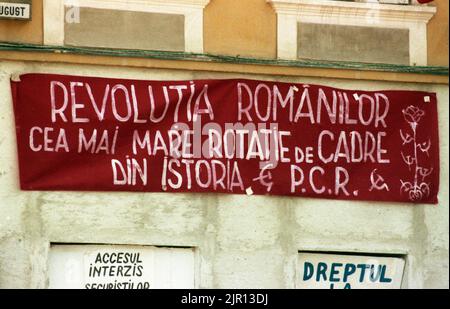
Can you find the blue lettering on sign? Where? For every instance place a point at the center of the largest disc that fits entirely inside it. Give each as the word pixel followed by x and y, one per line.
pixel 335 271
pixel 363 268
pixel 349 270
pixel 308 271
pixel 347 286
pixel 321 271
pixel 339 272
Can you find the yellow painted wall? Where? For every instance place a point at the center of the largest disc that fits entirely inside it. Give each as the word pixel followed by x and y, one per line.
pixel 438 35
pixel 240 27
pixel 24 31
pixel 248 28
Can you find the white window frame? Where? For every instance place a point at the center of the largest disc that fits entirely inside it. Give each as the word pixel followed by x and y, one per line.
pixel 192 10
pixel 411 17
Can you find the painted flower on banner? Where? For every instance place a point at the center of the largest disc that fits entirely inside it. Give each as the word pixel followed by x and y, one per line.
pixel 418 188
pixel 413 114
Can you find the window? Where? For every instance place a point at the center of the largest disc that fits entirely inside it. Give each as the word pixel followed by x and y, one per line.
pixel 172 24
pixel 406 26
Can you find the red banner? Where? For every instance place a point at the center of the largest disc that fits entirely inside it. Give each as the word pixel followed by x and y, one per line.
pixel 228 136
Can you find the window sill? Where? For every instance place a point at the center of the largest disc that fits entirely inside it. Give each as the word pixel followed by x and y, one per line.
pixel 359 10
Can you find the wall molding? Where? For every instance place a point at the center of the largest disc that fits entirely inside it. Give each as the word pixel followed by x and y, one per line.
pixel 411 17
pixel 208 58
pixel 54 16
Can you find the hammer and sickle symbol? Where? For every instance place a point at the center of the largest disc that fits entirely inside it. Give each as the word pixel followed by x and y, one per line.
pixel 263 176
pixel 378 182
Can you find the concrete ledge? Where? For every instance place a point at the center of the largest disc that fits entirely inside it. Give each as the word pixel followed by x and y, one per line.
pixel 169 55
pixel 225 64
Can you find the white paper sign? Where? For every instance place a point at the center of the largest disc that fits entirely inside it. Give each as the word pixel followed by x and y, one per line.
pixel 15 10
pixel 336 271
pixel 120 267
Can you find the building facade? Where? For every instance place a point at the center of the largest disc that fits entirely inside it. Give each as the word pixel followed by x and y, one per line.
pixel 226 240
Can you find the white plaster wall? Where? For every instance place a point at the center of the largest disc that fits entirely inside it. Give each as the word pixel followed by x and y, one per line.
pixel 241 241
